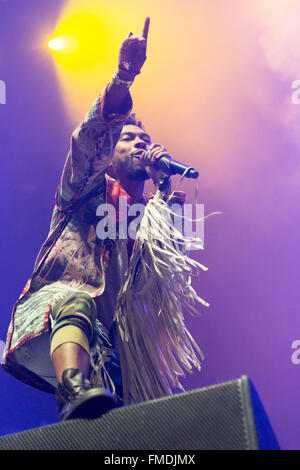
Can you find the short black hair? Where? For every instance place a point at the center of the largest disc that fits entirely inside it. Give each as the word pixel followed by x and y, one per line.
pixel 132 120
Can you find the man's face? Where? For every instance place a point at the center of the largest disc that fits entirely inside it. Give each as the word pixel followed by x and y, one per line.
pixel 132 143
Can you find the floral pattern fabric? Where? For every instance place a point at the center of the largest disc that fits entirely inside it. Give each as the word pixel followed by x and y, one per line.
pixel 72 254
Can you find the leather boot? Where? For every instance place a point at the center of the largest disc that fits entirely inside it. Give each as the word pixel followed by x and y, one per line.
pixel 76 398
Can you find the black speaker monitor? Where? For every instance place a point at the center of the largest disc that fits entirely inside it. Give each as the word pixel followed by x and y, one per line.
pixel 229 416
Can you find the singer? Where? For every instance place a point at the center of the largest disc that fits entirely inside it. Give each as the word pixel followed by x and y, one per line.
pixel 99 323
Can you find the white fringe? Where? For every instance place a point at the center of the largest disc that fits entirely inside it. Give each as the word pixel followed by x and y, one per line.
pixel 154 344
pixel 100 376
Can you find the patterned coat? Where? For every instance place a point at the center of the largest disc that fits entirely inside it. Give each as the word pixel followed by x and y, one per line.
pixel 139 295
pixel 72 254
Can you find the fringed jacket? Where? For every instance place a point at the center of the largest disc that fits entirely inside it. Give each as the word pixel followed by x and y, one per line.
pixel 72 251
pixel 145 293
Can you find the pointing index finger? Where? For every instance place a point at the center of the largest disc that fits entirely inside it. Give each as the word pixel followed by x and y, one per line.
pixel 146 28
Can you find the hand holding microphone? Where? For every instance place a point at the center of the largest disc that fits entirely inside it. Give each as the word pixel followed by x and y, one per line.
pixel 157 158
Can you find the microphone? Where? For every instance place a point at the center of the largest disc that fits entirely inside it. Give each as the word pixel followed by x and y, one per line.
pixel 173 167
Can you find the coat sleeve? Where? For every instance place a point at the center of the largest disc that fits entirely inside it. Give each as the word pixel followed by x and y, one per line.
pixel 91 150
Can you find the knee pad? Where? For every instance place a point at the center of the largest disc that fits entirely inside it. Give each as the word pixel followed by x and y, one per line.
pixel 78 310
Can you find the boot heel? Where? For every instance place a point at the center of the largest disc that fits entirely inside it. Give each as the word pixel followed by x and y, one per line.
pixel 76 398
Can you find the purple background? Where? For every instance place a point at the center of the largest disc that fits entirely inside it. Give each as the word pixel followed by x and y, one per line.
pixel 251 250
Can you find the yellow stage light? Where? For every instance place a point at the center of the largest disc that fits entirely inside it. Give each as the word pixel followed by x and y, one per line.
pixel 83 71
pixel 64 44
pixel 80 41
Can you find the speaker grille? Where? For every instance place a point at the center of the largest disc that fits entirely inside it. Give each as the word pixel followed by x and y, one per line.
pixel 211 418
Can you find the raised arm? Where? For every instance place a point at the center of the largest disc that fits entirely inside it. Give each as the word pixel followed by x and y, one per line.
pixel 94 140
pixel 132 56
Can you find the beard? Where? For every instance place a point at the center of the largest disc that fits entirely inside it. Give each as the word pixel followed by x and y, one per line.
pixel 134 172
pixel 137 174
